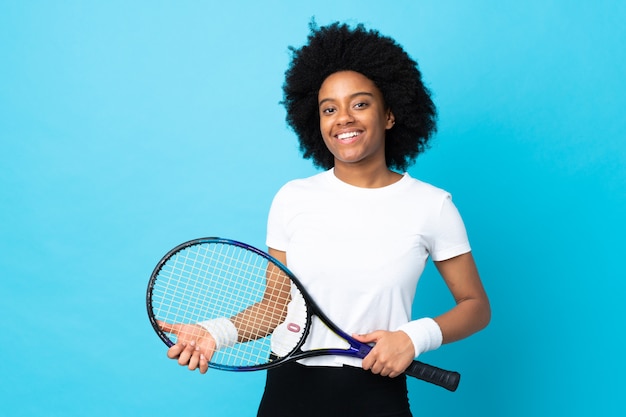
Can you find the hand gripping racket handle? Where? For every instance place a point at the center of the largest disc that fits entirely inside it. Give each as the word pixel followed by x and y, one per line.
pixel 446 379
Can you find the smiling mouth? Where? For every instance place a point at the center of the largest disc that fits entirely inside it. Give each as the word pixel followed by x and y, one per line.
pixel 348 135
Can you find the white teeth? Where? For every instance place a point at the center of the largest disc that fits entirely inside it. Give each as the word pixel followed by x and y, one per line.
pixel 347 135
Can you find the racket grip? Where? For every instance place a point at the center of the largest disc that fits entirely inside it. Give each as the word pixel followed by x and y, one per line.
pixel 446 379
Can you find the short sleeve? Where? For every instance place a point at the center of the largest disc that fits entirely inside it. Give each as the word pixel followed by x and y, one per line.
pixel 277 237
pixel 449 236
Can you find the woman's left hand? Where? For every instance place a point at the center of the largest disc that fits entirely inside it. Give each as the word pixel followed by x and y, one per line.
pixel 392 353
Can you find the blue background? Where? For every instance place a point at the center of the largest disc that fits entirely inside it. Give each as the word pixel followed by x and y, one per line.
pixel 128 127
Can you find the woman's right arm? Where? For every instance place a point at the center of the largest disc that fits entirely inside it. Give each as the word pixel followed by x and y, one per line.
pixel 195 345
pixel 261 319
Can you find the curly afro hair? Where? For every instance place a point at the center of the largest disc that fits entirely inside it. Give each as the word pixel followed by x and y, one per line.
pixel 338 47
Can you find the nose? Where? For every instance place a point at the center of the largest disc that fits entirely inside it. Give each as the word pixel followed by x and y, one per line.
pixel 344 116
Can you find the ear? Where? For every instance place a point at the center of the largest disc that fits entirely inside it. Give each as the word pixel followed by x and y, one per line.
pixel 391 120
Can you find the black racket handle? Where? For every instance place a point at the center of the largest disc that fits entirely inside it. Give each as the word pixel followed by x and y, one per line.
pixel 446 379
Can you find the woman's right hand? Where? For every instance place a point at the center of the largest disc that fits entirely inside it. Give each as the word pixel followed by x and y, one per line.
pixel 194 347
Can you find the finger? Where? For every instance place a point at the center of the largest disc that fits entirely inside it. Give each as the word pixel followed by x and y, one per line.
pixel 368 337
pixel 166 327
pixel 204 364
pixel 195 359
pixel 372 360
pixel 186 354
pixel 368 362
pixel 175 351
pixel 376 368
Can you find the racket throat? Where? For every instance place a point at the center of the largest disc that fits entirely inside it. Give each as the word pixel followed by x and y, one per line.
pixel 357 349
pixel 360 350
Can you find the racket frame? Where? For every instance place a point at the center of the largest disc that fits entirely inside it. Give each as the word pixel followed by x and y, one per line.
pixel 446 379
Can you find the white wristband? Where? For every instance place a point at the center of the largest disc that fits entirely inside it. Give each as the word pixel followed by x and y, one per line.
pixel 223 331
pixel 424 333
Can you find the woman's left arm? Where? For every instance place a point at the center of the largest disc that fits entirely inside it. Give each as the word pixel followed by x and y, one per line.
pixel 394 350
pixel 472 311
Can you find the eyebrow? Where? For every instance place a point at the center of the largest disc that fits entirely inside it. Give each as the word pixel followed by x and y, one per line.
pixel 352 96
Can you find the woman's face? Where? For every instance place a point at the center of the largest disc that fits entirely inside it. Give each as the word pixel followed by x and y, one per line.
pixel 353 118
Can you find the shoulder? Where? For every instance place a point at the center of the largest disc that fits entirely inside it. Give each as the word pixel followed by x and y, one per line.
pixel 305 185
pixel 424 191
pixel 298 196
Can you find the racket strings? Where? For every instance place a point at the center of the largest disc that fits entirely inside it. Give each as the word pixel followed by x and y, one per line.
pixel 217 280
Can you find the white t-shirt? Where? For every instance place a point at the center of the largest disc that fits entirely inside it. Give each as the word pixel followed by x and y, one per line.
pixel 360 252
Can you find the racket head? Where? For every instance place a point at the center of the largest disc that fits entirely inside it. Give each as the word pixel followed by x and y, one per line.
pixel 210 278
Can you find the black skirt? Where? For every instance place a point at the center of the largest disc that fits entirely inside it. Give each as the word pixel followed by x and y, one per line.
pixel 294 390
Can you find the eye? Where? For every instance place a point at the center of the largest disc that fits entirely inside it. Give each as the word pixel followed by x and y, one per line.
pixel 328 110
pixel 361 105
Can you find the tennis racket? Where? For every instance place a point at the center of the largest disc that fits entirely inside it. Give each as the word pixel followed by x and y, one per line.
pixel 214 278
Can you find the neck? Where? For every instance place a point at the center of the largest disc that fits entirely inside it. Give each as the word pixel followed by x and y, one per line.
pixel 366 177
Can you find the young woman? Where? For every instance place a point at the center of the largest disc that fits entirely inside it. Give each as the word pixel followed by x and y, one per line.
pixel 361 231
